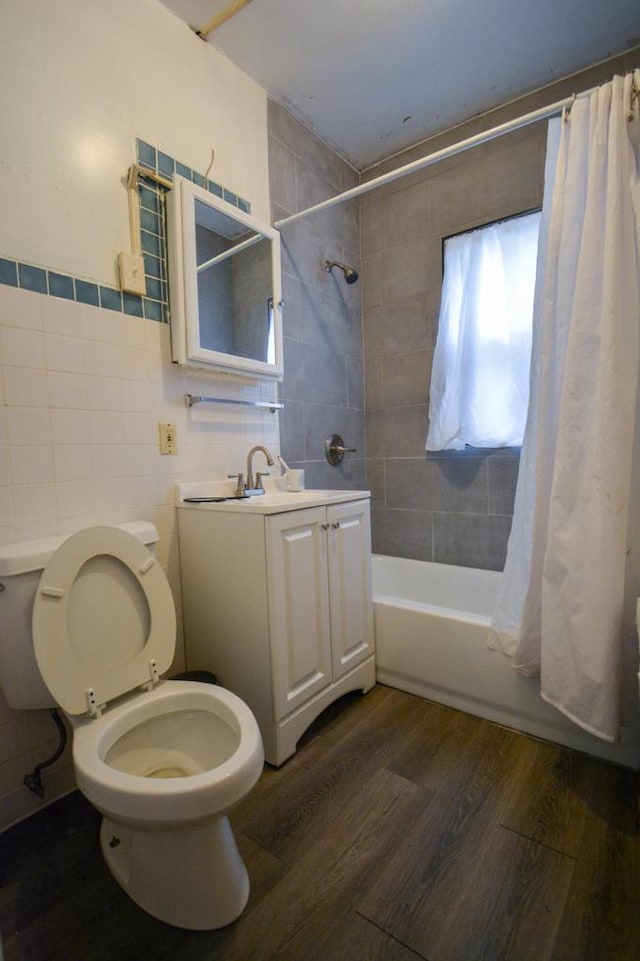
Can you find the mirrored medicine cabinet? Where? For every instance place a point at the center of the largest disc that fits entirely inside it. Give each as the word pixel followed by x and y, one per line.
pixel 225 286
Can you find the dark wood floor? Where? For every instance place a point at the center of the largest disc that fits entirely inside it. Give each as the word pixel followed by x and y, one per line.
pixel 401 830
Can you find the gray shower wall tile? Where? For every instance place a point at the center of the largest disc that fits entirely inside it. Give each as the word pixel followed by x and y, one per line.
pixel 402 533
pixel 471 540
pixel 409 213
pixel 457 202
pixel 312 187
pixel 503 477
pixel 341 225
pixel 292 315
pixel 308 148
pixel 373 383
pixel 349 475
pixel 313 374
pixel 374 210
pixel 375 482
pixel 371 281
pixel 374 446
pixel 304 252
pixel 410 323
pixel 410 270
pixel 328 317
pixel 406 378
pixel 355 382
pixel 447 484
pixel 282 175
pixel 397 431
pixel 292 431
pixel 514 182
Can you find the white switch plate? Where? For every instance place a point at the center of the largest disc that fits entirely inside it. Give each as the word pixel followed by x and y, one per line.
pixel 131 273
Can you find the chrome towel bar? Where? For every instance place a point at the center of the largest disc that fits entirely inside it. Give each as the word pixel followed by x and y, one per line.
pixel 272 405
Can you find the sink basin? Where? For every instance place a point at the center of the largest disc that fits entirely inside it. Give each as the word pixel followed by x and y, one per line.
pixel 288 497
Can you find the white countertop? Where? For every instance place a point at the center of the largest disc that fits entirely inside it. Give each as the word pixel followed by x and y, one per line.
pixel 273 501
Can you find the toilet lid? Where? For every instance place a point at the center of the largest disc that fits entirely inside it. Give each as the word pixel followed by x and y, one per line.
pixel 104 619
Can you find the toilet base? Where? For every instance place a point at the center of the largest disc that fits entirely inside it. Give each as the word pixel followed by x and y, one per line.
pixel 191 877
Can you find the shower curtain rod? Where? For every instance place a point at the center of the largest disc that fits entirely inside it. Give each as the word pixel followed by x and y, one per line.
pixel 542 114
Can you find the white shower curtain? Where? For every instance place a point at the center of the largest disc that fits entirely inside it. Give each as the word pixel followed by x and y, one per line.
pixel 562 595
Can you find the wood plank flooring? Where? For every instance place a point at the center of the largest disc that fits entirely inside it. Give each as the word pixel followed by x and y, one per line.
pixel 400 831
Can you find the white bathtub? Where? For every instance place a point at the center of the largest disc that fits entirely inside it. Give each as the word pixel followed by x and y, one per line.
pixel 431 625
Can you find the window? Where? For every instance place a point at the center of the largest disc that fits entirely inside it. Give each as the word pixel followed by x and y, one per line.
pixel 480 378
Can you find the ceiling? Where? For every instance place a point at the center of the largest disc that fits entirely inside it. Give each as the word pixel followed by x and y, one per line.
pixel 372 77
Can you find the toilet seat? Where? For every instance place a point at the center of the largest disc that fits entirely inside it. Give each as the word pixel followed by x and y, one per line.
pixel 103 620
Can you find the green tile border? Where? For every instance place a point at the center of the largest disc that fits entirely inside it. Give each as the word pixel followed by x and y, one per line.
pixel 155 306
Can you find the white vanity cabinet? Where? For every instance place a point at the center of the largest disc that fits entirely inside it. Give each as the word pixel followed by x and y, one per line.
pixel 278 605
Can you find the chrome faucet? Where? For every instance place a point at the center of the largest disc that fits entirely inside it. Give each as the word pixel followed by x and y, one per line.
pixel 267 454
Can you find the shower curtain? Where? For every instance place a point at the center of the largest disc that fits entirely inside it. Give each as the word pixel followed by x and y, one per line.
pixel 562 595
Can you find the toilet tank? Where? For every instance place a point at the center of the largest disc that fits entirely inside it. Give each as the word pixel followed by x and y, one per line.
pixel 20 568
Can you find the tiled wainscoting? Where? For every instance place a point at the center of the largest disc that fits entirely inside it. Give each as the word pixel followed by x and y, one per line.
pixel 83 391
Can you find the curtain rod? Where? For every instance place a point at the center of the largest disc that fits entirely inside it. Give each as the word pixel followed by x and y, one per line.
pixel 542 114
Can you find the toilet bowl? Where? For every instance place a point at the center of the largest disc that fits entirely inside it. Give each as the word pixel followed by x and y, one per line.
pixel 163 761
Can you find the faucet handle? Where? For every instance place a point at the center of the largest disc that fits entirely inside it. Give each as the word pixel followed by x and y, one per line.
pixel 240 485
pixel 259 476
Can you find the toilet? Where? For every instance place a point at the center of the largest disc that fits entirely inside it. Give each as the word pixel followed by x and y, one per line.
pixel 92 616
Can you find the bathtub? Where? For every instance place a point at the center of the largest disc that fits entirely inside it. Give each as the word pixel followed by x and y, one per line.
pixel 431 626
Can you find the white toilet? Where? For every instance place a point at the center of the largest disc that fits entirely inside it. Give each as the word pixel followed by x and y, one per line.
pixel 163 761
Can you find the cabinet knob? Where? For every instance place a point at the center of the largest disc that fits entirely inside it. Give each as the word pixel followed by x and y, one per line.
pixel 336 525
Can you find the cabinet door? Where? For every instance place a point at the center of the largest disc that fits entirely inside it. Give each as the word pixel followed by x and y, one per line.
pixel 350 585
pixel 298 606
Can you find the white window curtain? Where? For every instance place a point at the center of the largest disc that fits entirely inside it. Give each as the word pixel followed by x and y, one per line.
pixel 562 611
pixel 480 378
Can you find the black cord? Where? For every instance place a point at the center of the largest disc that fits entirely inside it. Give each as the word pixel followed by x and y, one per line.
pixel 34 780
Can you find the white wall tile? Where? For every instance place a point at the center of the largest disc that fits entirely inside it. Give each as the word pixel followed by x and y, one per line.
pixel 66 390
pixel 99 325
pixel 135 395
pixel 24 387
pixel 69 426
pixel 141 428
pixel 33 502
pixel 72 462
pixel 31 465
pixel 111 495
pixel 20 308
pixel 28 425
pixel 62 317
pixel 22 348
pixel 103 393
pixel 6 499
pixel 5 472
pixel 132 363
pixel 64 353
pixel 131 331
pixel 140 460
pixel 106 427
pixel 100 358
pixel 107 461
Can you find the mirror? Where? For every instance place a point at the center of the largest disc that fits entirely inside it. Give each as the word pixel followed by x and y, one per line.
pixel 224 279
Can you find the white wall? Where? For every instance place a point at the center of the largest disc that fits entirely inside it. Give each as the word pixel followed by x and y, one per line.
pixel 82 388
pixel 80 80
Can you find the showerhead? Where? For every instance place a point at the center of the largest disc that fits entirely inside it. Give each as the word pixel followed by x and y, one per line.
pixel 350 275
